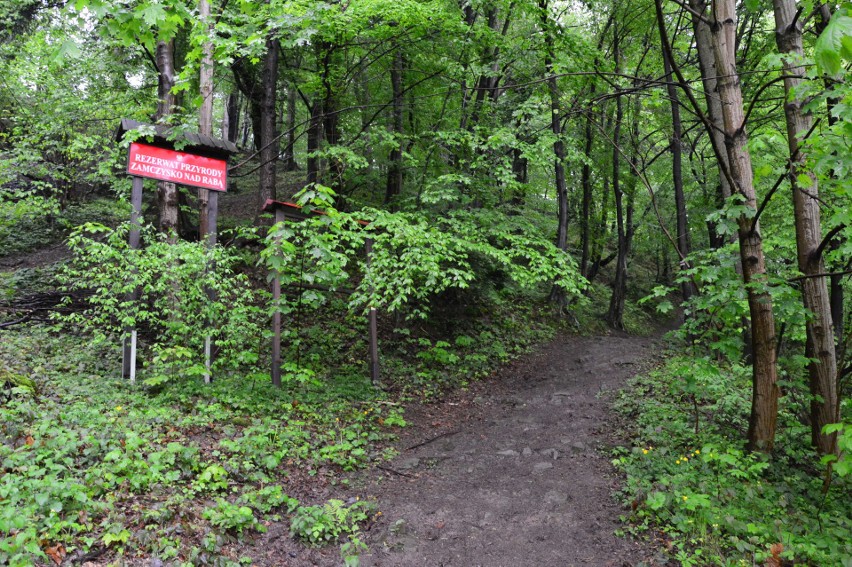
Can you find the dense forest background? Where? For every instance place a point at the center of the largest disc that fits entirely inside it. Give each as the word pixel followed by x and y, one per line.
pixel 516 168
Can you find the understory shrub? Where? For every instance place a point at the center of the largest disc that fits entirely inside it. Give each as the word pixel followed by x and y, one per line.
pixel 689 475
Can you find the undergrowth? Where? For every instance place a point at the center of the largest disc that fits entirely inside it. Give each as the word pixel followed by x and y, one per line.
pixel 95 465
pixel 92 463
pixel 689 476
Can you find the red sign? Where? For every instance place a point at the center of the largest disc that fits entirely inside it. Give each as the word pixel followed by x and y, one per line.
pixel 177 167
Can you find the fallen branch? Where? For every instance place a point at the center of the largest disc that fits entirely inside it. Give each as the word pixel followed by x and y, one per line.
pixel 390 470
pixel 17 322
pixel 447 434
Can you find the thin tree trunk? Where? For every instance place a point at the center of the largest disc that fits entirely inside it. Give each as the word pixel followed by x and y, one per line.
pixel 599 233
pixel 677 173
pixel 167 194
pixel 268 124
pixel 764 409
pixel 836 292
pixel 822 369
pixel 393 187
pixel 231 118
pixel 557 294
pixel 290 163
pixel 205 114
pixel 586 183
pixel 314 138
pixel 615 314
pixel 330 115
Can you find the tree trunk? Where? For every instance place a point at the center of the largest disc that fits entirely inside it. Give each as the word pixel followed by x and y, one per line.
pixel 707 65
pixel 598 237
pixel 764 409
pixel 586 183
pixel 677 173
pixel 314 138
pixel 167 194
pixel 205 114
pixel 393 186
pixel 557 294
pixel 615 314
pixel 231 118
pixel 709 79
pixel 836 292
pixel 290 163
pixel 822 369
pixel 268 124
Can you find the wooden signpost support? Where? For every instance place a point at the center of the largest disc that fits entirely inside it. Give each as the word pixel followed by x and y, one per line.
pixel 201 162
pixel 290 211
pixel 128 362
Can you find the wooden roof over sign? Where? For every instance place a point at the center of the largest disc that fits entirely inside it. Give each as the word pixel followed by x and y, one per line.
pixel 166 137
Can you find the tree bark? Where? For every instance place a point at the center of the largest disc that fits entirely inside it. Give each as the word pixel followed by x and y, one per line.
pixel 822 369
pixel 836 292
pixel 167 193
pixel 231 118
pixel 676 150
pixel 586 183
pixel 205 114
pixel 290 163
pixel 764 408
pixel 330 115
pixel 707 65
pixel 393 187
pixel 268 124
pixel 557 294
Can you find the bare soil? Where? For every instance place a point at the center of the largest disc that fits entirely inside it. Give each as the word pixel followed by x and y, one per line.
pixel 513 472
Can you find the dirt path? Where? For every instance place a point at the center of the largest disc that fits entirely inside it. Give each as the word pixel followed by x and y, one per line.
pixel 521 482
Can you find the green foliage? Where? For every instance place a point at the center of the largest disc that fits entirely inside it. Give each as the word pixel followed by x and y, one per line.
pixel 688 475
pixel 841 464
pixel 413 258
pixel 835 42
pixel 320 525
pixel 232 517
pixel 25 221
pixel 174 283
pixel 714 318
pixel 88 458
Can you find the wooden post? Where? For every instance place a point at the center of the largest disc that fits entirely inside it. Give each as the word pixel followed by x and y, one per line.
pixel 276 318
pixel 128 369
pixel 374 329
pixel 212 212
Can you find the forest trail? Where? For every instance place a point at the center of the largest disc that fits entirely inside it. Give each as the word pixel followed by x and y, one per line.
pixel 510 473
pixel 522 482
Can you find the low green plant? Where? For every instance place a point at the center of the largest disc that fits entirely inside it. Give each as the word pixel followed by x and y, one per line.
pixel 232 517
pixel 320 525
pixel 689 476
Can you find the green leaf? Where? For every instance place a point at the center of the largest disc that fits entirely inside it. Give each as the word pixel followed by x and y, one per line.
pixel 656 500
pixel 67 50
pixel 846 47
pixel 834 40
pixel 152 14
